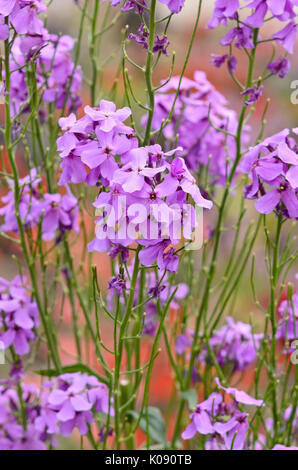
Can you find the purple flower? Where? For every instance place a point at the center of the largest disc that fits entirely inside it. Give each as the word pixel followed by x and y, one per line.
pixel 117 283
pixel 282 447
pixel 197 104
pixel 288 325
pixel 119 250
pixel 131 4
pixel 234 344
pixel 72 398
pixel 282 10
pixel 30 206
pixel 240 396
pixel 254 94
pixel 181 177
pixel 182 343
pixel 161 44
pixel 132 175
pixel 160 291
pixel 6 6
pixel 280 67
pixel 58 213
pixel 129 176
pixel 233 431
pixel 242 35
pixel 141 37
pixel 287 36
pixel 218 60
pixel 88 141
pixel 56 75
pixel 19 315
pixel 175 6
pixel 17 371
pixel 4 31
pixel 276 169
pixel 106 115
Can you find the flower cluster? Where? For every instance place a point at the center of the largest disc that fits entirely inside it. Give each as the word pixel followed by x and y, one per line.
pixel 57 77
pixel 234 344
pixel 199 115
pixel 175 6
pixel 144 192
pixel 224 423
pixel 273 167
pixel 160 43
pixel 70 402
pixel 246 30
pixel 19 316
pixel 57 213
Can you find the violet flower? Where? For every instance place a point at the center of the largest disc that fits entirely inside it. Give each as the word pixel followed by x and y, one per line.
pixel 73 398
pixel 253 93
pixel 226 425
pixel 19 316
pixel 197 104
pixel 280 67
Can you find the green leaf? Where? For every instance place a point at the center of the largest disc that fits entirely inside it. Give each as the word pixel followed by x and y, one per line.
pixel 70 369
pixel 191 397
pixel 156 425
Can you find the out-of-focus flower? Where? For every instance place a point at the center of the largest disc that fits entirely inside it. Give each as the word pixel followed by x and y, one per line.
pixel 102 151
pixel 288 324
pixel 282 447
pixel 263 10
pixel 57 78
pixel 198 105
pixel 175 6
pixel 19 316
pixel 223 10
